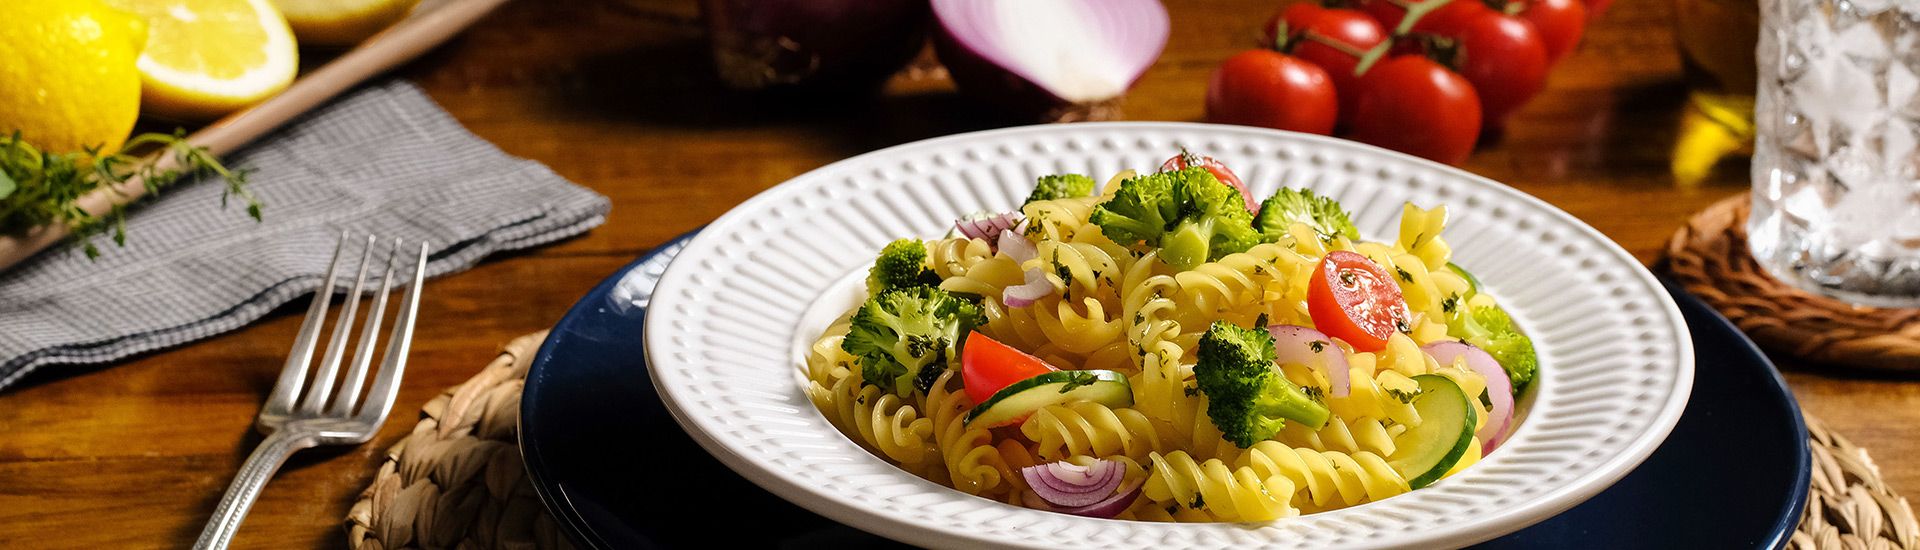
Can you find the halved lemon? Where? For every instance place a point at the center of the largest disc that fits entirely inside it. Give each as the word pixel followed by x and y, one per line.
pixel 206 58
pixel 341 22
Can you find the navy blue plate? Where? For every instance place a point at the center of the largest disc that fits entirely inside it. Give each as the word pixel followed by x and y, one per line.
pixel 616 470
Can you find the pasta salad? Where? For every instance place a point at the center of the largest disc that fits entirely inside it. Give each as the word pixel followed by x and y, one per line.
pixel 1165 348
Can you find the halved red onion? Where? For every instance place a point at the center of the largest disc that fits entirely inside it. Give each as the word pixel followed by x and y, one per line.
pixel 1302 345
pixel 1017 247
pixel 1057 60
pixel 1023 295
pixel 1499 388
pixel 986 226
pixel 1068 485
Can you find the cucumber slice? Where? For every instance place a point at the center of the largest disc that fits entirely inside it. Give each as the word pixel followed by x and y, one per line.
pixel 1022 398
pixel 1473 283
pixel 1426 452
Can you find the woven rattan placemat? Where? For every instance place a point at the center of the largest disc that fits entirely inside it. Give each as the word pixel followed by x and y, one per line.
pixel 457 480
pixel 1709 257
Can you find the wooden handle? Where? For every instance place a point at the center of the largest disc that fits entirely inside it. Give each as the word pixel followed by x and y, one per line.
pixel 431 24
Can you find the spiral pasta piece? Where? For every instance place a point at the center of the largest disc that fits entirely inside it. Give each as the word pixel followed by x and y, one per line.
pixel 973 464
pixel 879 419
pixel 1324 476
pixel 1222 493
pixel 1088 428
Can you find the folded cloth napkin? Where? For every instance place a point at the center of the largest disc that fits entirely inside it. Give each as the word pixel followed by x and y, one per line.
pixel 383 160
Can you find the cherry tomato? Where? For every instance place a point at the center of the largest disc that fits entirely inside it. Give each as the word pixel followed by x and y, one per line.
pixel 1560 23
pixel 1273 90
pixel 1501 55
pixel 1353 299
pixel 1413 105
pixel 1219 170
pixel 1334 39
pixel 1392 14
pixel 1597 7
pixel 987 366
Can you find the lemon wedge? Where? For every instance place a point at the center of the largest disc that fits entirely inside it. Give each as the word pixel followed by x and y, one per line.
pixel 206 58
pixel 341 22
pixel 67 77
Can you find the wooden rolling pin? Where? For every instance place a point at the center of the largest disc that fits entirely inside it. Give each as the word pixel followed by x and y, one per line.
pixel 432 23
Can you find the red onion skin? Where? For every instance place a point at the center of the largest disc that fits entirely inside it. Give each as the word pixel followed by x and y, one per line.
pixel 1024 294
pixel 1020 98
pixel 1104 509
pixel 1499 387
pixel 762 43
pixel 1017 247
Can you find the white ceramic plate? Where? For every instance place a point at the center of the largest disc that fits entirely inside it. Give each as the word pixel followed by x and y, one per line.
pixel 1616 362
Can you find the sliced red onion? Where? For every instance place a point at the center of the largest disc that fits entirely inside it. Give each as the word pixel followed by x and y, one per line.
pixel 986 226
pixel 1023 295
pixel 1057 60
pixel 1107 508
pixel 1068 485
pixel 1298 344
pixel 1017 247
pixel 1499 388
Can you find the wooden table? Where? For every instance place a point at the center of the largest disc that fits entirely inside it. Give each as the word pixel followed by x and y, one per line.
pixel 617 95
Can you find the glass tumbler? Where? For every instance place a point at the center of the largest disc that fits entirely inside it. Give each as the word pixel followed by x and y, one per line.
pixel 1836 166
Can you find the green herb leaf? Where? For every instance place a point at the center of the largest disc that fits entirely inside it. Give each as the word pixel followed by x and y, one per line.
pixel 40 188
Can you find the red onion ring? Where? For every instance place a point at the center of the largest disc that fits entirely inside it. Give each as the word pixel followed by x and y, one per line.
pixel 1017 246
pixel 1302 345
pixel 1024 294
pixel 1499 388
pixel 1110 507
pixel 986 226
pixel 1067 485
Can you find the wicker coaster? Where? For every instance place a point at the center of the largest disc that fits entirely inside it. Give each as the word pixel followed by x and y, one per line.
pixel 457 480
pixel 1709 257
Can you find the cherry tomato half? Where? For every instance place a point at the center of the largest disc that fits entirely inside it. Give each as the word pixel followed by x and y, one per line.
pixel 1353 299
pixel 1334 39
pixel 1413 105
pixel 987 366
pixel 1560 23
pixel 1272 90
pixel 1220 172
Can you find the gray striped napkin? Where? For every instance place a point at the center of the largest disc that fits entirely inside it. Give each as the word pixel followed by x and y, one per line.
pixel 384 160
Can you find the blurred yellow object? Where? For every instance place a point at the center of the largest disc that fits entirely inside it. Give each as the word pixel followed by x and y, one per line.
pixel 341 22
pixel 67 76
pixel 1712 127
pixel 206 58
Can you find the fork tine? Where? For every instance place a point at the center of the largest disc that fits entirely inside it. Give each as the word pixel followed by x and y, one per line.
pixel 349 393
pixel 294 374
pixel 337 344
pixel 380 397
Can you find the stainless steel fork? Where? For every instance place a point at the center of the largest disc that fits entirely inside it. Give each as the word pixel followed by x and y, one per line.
pixel 292 420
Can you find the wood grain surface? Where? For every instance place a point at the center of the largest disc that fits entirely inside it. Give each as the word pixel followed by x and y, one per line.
pixel 619 96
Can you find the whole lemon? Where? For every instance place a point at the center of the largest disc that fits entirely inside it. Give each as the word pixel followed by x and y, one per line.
pixel 68 78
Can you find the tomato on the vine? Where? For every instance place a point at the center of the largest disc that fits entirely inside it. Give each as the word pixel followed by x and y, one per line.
pixel 986 366
pixel 1414 105
pixel 1334 39
pixel 1273 90
pixel 1353 299
pixel 1218 169
pixel 1394 14
pixel 1560 23
pixel 1501 55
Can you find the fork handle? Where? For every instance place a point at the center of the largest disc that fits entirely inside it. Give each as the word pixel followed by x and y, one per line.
pixel 253 476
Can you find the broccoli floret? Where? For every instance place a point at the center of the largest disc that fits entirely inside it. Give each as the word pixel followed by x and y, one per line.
pixel 1062 186
pixel 1486 326
pixel 902 264
pixel 1187 214
pixel 906 337
pixel 1288 206
pixel 1247 398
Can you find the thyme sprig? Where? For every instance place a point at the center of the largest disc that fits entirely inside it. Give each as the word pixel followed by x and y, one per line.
pixel 39 188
